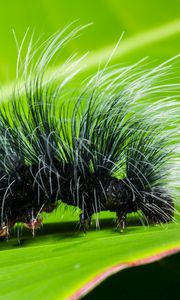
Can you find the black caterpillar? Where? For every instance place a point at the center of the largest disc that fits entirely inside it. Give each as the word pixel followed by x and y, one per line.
pixel 96 149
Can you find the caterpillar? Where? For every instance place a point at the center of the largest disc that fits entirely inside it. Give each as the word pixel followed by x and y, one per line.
pixel 105 146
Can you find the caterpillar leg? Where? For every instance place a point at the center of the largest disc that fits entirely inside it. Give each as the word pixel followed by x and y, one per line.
pixel 5 228
pixel 4 232
pixel 34 223
pixel 121 221
pixel 85 220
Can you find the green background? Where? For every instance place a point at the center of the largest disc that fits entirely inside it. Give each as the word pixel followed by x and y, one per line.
pixel 110 19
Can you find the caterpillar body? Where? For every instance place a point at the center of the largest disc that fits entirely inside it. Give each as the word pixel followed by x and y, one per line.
pixel 104 147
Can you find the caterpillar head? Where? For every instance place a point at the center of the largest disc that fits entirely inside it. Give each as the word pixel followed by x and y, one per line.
pixel 155 204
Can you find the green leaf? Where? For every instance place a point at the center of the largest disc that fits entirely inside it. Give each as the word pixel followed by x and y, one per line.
pixel 60 260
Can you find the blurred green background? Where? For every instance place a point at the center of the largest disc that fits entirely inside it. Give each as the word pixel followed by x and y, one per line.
pixel 159 280
pixel 151 28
